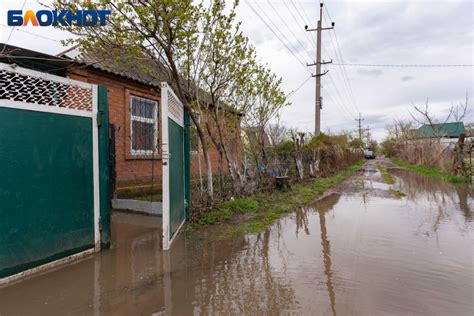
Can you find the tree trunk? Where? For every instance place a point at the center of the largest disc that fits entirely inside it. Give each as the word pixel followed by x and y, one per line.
pixel 205 147
pixel 182 95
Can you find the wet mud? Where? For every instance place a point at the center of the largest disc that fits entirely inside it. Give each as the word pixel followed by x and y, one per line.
pixel 359 250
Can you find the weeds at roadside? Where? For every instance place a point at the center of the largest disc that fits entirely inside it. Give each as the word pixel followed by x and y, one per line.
pixel 386 176
pixel 431 172
pixel 389 179
pixel 265 208
pixel 397 193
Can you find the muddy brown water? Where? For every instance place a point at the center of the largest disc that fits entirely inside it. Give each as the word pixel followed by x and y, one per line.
pixel 358 251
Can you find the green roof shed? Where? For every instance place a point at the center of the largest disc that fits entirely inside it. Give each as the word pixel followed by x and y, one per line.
pixel 451 130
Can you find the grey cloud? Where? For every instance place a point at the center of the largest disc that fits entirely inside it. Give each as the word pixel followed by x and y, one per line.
pixel 407 78
pixel 370 72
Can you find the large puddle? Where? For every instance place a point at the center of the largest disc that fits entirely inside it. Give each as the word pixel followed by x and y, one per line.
pixel 350 253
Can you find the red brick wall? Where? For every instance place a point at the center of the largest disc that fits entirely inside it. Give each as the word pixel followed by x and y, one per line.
pixel 231 132
pixel 137 169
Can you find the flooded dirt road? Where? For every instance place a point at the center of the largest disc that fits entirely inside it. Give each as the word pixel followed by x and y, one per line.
pixel 358 251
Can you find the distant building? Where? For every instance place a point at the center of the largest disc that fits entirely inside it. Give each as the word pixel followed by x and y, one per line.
pixel 469 129
pixel 444 130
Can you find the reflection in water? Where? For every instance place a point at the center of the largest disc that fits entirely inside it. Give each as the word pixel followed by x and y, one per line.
pixel 323 206
pixel 365 250
pixel 443 194
pixel 227 277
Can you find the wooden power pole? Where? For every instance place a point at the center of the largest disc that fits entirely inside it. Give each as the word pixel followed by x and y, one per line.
pixel 360 119
pixel 318 63
pixel 367 136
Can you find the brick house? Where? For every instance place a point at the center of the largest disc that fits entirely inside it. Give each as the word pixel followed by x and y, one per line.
pixel 133 100
pixel 129 91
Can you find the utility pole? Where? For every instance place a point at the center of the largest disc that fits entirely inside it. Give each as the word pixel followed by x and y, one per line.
pixel 318 63
pixel 367 130
pixel 360 119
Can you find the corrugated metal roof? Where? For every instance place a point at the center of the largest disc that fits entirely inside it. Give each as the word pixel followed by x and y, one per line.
pixel 143 70
pixel 453 129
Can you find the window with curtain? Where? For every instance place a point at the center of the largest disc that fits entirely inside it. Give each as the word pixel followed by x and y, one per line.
pixel 144 125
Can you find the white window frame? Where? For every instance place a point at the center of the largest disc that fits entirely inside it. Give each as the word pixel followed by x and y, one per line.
pixel 134 118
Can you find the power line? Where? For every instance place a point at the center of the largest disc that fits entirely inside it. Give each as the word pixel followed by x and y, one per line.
pixel 288 27
pixel 299 87
pixel 31 33
pixel 13 29
pixel 56 58
pixel 339 105
pixel 304 12
pixel 277 36
pixel 339 95
pixel 340 74
pixel 346 79
pixel 298 23
pixel 406 65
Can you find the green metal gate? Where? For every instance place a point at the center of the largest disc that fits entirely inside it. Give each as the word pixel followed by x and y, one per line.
pixel 53 170
pixel 174 175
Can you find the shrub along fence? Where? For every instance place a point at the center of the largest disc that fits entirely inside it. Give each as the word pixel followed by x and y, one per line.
pixel 454 157
pixel 322 157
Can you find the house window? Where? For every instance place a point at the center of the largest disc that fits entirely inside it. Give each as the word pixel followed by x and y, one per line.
pixel 195 142
pixel 143 125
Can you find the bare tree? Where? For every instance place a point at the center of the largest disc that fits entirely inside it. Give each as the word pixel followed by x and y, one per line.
pixel 422 116
pixel 277 133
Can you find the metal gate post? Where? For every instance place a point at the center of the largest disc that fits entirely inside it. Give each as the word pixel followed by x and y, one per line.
pixel 103 124
pixel 187 163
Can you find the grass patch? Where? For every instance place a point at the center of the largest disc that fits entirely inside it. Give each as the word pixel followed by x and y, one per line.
pixel 386 176
pixel 397 193
pixel 431 172
pixel 265 208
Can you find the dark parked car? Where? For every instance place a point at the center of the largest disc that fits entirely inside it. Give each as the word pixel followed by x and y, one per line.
pixel 369 154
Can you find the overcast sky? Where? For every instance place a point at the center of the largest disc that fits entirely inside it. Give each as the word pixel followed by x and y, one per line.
pixel 368 32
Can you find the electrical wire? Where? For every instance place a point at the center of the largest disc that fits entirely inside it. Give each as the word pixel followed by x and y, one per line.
pixel 342 74
pixel 310 40
pixel 338 93
pixel 31 33
pixel 276 35
pixel 304 12
pixel 339 55
pixel 13 29
pixel 405 65
pixel 293 92
pixel 289 29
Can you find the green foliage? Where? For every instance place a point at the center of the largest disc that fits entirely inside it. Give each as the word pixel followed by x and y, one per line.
pixel 198 48
pixel 241 205
pixel 341 140
pixel 431 172
pixel 215 216
pixel 356 143
pixel 323 139
pixel 387 146
pixel 284 148
pixel 316 141
pixel 397 193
